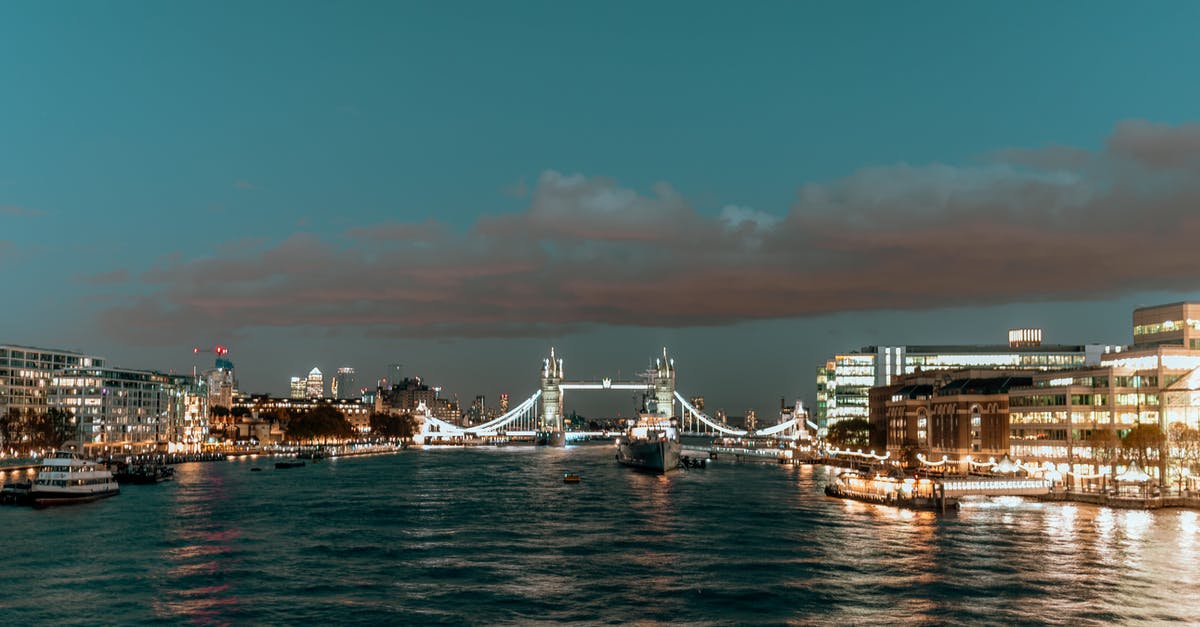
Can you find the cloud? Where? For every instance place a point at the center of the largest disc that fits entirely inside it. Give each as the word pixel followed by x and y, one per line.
pixel 1157 145
pixel 120 275
pixel 23 212
pixel 1058 223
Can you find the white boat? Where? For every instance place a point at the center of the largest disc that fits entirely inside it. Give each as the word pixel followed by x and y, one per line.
pixel 66 478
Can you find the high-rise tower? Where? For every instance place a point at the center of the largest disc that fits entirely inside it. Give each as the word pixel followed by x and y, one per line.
pixel 314 384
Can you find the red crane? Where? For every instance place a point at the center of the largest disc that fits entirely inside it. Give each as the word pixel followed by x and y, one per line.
pixel 220 351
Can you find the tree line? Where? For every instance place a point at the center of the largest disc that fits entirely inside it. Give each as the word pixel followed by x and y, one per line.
pixel 326 423
pixel 31 429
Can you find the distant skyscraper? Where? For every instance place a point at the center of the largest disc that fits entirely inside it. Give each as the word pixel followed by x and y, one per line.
pixel 503 402
pixel 298 387
pixel 315 384
pixel 478 411
pixel 345 384
pixel 394 374
pixel 221 386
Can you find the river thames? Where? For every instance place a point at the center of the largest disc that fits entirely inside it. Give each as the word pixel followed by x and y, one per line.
pixel 495 536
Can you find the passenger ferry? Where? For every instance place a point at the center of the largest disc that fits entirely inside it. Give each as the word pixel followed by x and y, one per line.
pixel 66 478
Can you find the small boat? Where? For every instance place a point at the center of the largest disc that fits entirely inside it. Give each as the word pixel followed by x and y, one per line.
pixel 289 464
pixel 144 474
pixel 571 477
pixel 67 478
pixel 16 493
pixel 256 469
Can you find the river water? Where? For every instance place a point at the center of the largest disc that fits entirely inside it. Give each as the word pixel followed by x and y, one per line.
pixel 495 536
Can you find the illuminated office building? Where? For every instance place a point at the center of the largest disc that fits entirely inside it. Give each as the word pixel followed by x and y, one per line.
pixel 314 385
pixel 844 383
pixel 297 387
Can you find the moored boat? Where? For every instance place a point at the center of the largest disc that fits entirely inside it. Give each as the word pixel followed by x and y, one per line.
pixel 66 478
pixel 650 445
pixel 144 474
pixel 651 442
pixel 289 464
pixel 910 493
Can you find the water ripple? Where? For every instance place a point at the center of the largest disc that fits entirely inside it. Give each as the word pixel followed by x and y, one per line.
pixel 493 536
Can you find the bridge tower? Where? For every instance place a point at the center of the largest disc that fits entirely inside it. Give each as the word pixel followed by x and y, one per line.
pixel 551 421
pixel 664 385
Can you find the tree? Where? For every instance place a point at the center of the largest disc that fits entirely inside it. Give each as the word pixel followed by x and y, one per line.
pixel 51 428
pixel 1143 443
pixel 1104 444
pixel 401 426
pixel 10 427
pixel 240 412
pixel 408 427
pixel 218 411
pixel 854 433
pixel 322 422
pixel 1184 445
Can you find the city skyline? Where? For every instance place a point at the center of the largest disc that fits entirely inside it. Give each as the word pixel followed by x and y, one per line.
pixel 398 183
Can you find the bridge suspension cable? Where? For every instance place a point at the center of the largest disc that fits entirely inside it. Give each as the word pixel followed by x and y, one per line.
pixel 512 415
pixel 699 415
pixel 779 428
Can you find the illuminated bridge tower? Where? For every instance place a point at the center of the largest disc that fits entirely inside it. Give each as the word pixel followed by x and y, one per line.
pixel 550 424
pixel 664 385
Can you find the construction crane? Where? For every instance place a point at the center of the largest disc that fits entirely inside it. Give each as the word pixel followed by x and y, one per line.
pixel 219 350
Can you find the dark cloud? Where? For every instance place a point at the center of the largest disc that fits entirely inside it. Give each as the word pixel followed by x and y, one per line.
pixel 1055 224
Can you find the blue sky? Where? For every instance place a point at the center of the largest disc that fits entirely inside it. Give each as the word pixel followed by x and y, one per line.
pixel 141 141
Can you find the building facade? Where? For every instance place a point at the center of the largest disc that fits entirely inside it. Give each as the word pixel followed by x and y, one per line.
pixel 953 414
pixel 844 383
pixel 27 373
pixel 121 411
pixel 1175 324
pixel 1076 420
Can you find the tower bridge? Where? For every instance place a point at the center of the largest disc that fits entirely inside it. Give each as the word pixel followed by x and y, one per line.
pixel 541 414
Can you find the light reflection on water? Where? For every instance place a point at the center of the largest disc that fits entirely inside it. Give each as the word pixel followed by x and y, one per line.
pixel 493 535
